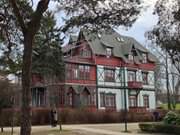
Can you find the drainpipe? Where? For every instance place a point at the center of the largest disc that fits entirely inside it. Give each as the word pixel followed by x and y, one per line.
pixel 97 87
pixel 125 101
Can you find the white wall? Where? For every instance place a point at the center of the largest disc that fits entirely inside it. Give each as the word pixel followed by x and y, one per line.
pixel 100 76
pixel 152 99
pixel 150 81
pixel 119 97
pixel 120 92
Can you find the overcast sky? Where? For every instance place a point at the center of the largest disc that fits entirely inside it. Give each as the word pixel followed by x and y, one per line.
pixel 145 22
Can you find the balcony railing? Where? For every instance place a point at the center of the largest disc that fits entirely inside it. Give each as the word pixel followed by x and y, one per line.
pixel 135 84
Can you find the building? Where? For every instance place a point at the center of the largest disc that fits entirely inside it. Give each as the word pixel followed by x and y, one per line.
pixel 103 70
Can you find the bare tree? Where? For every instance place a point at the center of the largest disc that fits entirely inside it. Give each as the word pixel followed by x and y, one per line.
pixel 19 22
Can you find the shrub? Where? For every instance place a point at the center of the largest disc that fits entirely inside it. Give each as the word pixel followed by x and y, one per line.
pixel 160 128
pixel 171 118
pixel 41 116
pixel 178 119
pixel 147 127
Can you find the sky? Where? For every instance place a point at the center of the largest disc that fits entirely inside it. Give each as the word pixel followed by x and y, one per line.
pixel 145 21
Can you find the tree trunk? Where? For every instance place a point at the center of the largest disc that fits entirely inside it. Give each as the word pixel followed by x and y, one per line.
pixel 1 121
pixel 26 83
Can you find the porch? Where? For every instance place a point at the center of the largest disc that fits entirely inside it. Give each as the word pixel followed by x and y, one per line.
pixel 80 97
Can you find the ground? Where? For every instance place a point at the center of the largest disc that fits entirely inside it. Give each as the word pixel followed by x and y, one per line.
pixel 84 129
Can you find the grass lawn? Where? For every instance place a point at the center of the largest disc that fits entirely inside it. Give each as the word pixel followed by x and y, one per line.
pixel 165 106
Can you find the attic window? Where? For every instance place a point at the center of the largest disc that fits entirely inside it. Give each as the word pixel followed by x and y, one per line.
pixel 131 57
pixel 99 35
pixel 144 56
pixel 120 39
pixel 108 52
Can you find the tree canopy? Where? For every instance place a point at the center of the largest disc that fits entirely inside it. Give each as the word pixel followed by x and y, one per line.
pixel 166 33
pixel 20 23
pixel 47 58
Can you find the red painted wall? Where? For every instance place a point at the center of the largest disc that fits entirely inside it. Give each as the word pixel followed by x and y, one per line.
pixel 112 61
pixel 92 79
pixel 36 78
pixel 142 66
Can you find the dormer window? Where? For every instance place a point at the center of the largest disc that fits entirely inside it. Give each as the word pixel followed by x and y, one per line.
pixel 85 53
pixel 108 52
pixel 144 56
pixel 120 39
pixel 99 35
pixel 131 57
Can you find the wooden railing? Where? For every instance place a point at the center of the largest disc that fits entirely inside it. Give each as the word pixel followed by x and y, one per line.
pixel 135 84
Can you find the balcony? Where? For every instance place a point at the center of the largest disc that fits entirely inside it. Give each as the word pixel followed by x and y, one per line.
pixel 135 84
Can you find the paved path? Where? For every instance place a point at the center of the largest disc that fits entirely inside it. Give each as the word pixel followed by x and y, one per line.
pixel 107 129
pixel 94 129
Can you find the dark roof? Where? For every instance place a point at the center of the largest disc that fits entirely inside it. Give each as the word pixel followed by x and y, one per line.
pixel 121 45
pixel 73 39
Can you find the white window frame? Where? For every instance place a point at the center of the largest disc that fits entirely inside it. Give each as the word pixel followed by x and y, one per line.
pixel 108 52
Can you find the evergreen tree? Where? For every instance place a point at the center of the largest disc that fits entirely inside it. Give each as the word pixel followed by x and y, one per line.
pixel 47 58
pixel 21 25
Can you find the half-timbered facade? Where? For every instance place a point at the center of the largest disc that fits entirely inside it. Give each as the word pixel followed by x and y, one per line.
pixel 99 69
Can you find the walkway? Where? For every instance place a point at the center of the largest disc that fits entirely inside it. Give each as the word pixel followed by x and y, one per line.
pixel 94 129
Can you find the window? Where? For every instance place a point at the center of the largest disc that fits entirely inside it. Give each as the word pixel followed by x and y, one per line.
pixel 146 101
pixel 132 101
pixel 144 56
pixel 69 71
pixel 81 72
pixel 85 53
pixel 108 52
pixel 131 57
pixel 102 99
pixel 120 39
pixel 93 99
pixel 99 35
pixel 70 99
pixel 86 72
pixel 110 100
pixel 38 97
pixel 107 100
pixel 145 77
pixel 131 75
pixel 77 71
pixel 109 75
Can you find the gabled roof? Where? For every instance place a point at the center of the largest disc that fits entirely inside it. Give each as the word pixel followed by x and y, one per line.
pixel 73 39
pixel 121 45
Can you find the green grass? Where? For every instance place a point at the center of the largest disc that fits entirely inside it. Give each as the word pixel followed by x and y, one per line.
pixel 165 106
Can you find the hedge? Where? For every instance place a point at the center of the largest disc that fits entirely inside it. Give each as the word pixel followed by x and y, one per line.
pixel 41 116
pixel 160 128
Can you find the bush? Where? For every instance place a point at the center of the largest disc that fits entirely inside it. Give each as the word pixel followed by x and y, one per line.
pixel 41 116
pixel 147 127
pixel 170 118
pixel 178 119
pixel 160 128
